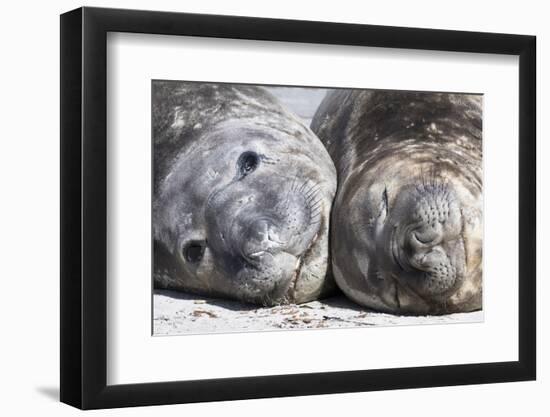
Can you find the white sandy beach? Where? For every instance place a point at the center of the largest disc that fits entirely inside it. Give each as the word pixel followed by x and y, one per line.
pixel 176 313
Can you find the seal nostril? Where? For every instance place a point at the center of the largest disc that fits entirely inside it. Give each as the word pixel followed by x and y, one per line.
pixel 424 241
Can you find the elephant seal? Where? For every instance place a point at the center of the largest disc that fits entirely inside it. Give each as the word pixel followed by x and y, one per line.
pixel 242 195
pixel 407 227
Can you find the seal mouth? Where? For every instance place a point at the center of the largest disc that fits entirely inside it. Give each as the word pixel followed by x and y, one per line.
pixel 257 254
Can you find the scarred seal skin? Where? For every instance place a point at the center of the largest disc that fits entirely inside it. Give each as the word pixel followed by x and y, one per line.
pixel 407 225
pixel 242 195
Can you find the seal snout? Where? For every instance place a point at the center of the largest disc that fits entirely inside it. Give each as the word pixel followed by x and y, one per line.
pixel 261 239
pixel 427 243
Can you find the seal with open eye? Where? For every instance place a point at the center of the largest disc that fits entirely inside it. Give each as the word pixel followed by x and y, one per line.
pixel 242 195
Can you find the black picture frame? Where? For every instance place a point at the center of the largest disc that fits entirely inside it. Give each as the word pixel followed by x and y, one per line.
pixel 83 207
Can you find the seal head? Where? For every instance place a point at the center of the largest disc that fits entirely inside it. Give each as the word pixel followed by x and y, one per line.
pixel 407 219
pixel 243 209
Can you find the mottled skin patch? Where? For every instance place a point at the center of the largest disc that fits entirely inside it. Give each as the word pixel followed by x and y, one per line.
pixel 242 195
pixel 406 230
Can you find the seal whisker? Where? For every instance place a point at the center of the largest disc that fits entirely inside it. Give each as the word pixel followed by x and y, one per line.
pixel 315 203
pixel 301 189
pixel 312 189
pixel 315 210
pixel 290 190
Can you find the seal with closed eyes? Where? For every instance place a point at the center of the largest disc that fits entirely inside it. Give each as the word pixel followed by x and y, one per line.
pixel 407 218
pixel 242 195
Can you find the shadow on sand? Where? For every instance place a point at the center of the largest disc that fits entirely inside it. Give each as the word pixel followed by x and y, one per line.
pixel 50 392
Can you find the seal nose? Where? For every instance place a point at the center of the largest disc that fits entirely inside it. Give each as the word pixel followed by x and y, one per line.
pixel 427 236
pixel 261 239
pixel 424 245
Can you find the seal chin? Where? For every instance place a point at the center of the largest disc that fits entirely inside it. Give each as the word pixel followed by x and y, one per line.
pixel 271 280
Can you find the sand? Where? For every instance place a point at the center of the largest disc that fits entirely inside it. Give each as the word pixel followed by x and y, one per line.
pixel 178 313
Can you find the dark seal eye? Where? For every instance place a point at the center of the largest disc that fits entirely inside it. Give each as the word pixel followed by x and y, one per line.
pixel 248 162
pixel 193 252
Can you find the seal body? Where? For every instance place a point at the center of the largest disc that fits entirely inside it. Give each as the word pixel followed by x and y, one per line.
pixel 406 230
pixel 242 195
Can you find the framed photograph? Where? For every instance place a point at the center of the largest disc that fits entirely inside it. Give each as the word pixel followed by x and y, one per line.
pixel 256 208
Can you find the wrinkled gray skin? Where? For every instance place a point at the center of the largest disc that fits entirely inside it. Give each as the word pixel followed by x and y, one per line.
pixel 407 218
pixel 242 195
